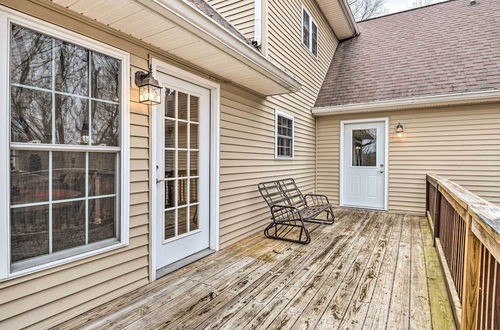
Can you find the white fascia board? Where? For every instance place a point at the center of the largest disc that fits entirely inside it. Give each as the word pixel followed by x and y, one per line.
pixel 193 20
pixel 410 103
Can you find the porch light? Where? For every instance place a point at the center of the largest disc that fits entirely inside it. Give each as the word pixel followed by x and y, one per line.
pixel 149 88
pixel 399 130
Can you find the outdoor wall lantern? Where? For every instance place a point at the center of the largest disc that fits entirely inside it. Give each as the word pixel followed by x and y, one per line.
pixel 149 88
pixel 399 130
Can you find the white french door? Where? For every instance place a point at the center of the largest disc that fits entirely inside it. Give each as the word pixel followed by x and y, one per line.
pixel 364 165
pixel 183 170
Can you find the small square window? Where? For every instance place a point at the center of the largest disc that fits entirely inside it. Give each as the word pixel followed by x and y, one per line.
pixel 309 32
pixel 284 135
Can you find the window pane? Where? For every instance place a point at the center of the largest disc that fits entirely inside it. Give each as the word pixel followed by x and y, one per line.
pixel 182 127
pixel 101 219
pixel 29 176
pixel 68 225
pixel 169 133
pixel 182 192
pixel 182 221
pixel 105 123
pixel 305 28
pixel 182 166
pixel 169 194
pixel 102 173
pixel 193 136
pixel 72 68
pixel 284 147
pixel 29 232
pixel 68 175
pixel 31 116
pixel 30 58
pixel 194 105
pixel 169 103
pixel 193 217
pixel 364 147
pixel 314 41
pixel 105 77
pixel 193 191
pixel 169 224
pixel 169 163
pixel 193 160
pixel 183 102
pixel 72 120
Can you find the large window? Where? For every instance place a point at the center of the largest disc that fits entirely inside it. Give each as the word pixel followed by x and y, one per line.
pixel 284 135
pixel 309 32
pixel 66 148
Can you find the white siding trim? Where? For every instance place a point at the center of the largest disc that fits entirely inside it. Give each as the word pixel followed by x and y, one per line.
pixel 286 115
pixel 409 103
pixel 8 16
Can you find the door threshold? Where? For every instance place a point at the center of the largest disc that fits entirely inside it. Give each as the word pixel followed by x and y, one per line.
pixel 183 262
pixel 357 207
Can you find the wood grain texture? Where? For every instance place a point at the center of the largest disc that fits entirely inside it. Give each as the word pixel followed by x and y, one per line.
pixel 369 270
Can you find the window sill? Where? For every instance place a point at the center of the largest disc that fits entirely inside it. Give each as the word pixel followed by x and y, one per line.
pixel 30 266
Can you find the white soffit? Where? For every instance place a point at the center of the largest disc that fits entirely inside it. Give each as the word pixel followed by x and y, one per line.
pixel 184 32
pixel 340 18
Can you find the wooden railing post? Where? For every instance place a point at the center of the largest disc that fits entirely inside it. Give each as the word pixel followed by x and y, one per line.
pixel 470 285
pixel 437 213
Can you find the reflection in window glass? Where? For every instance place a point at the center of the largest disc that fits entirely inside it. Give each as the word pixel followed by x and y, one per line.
pixel 182 109
pixel 72 120
pixel 68 225
pixel 169 224
pixel 305 28
pixel 364 147
pixel 29 176
pixel 29 232
pixel 102 173
pixel 182 192
pixel 64 94
pixel 169 194
pixel 68 175
pixel 182 221
pixel 101 219
pixel 193 217
pixel 194 106
pixel 169 103
pixel 30 115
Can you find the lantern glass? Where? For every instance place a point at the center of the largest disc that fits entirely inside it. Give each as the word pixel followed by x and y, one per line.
pixel 150 94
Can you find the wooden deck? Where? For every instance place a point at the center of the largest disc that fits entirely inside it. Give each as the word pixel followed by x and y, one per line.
pixel 369 270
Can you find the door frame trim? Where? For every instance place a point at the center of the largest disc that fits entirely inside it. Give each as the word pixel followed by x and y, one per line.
pixel 385 120
pixel 158 65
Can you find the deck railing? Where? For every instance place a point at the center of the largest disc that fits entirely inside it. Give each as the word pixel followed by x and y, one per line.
pixel 467 237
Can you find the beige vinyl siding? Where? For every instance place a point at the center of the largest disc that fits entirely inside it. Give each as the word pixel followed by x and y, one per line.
pixel 50 296
pixel 247 123
pixel 461 143
pixel 240 13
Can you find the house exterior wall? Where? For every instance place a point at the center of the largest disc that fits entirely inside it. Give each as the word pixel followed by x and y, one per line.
pixel 240 13
pixel 461 143
pixel 247 123
pixel 48 297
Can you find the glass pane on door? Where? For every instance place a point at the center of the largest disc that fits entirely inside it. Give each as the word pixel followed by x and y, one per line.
pixel 181 158
pixel 364 147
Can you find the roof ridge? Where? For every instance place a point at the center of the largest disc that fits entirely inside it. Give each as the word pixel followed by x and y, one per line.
pixel 406 10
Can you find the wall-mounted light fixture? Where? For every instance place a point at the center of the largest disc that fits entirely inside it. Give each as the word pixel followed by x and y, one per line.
pixel 149 88
pixel 399 130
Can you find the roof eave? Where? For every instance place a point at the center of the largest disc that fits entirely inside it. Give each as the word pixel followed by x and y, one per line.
pixel 340 18
pixel 195 21
pixel 410 103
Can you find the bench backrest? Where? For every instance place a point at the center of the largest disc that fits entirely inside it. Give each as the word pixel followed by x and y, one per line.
pixel 282 192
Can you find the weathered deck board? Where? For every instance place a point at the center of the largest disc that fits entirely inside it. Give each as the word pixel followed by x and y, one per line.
pixel 369 270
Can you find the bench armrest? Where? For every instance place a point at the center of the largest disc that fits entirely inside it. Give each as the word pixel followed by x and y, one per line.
pixel 316 199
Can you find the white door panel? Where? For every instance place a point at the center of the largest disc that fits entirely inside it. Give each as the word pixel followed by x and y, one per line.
pixel 183 169
pixel 364 167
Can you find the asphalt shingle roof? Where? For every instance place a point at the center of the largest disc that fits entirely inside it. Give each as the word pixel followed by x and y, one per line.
pixel 446 48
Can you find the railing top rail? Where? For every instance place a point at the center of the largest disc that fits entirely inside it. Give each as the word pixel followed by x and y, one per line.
pixel 487 212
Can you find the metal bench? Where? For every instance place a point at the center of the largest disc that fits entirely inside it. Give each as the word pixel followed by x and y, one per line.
pixel 290 209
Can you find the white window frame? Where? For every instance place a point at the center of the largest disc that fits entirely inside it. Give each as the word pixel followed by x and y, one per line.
pixel 7 17
pixel 311 22
pixel 278 113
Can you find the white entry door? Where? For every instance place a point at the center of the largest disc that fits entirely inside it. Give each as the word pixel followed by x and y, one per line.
pixel 182 170
pixel 363 165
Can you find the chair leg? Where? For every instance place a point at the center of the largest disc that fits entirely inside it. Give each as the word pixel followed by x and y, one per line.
pixel 330 218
